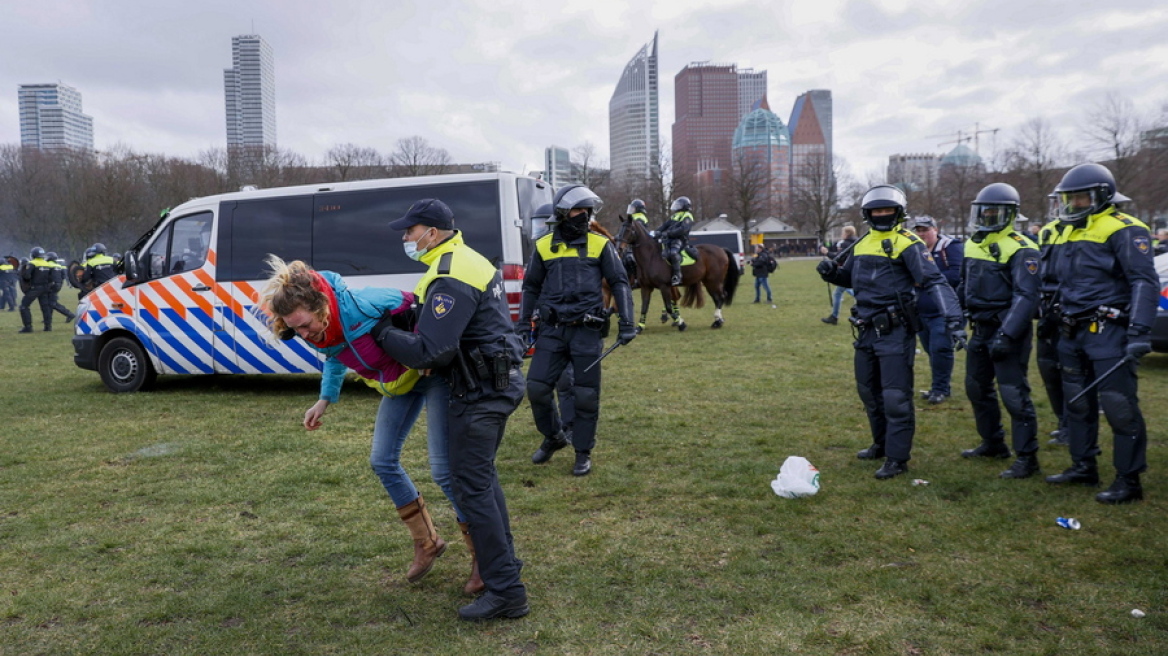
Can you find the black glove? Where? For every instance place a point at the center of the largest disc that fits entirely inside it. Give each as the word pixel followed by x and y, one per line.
pixel 625 333
pixel 826 269
pixel 1001 348
pixel 1138 346
pixel 957 335
pixel 526 332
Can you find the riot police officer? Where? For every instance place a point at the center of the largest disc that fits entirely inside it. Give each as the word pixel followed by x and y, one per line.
pixel 1000 289
pixel 8 275
pixel 563 284
pixel 54 298
pixel 464 333
pixel 99 268
pixel 43 277
pixel 636 212
pixel 1109 291
pixel 885 268
pixel 674 234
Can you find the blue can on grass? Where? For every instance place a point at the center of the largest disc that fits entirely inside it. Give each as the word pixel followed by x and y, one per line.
pixel 1069 523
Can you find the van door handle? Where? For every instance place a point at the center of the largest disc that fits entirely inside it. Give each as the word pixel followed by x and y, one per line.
pixel 201 288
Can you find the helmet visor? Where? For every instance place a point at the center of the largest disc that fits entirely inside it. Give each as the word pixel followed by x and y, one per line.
pixel 1080 203
pixel 992 217
pixel 579 197
pixel 884 196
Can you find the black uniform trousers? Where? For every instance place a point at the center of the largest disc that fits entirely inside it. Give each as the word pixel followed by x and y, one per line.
pixel 556 348
pixel 8 296
pixel 884 379
pixel 476 425
pixel 1083 357
pixel 1046 347
pixel 47 299
pixel 1010 373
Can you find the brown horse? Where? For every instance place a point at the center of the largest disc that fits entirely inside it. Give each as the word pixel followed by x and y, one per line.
pixel 715 268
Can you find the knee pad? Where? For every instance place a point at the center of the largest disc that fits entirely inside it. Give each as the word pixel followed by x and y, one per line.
pixel 587 401
pixel 973 389
pixel 539 391
pixel 867 397
pixel 897 404
pixel 1120 412
pixel 1012 397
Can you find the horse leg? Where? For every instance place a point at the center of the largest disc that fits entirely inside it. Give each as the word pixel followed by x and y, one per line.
pixel 714 288
pixel 646 295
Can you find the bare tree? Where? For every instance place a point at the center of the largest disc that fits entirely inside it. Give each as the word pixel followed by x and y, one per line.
pixel 353 162
pixel 415 156
pixel 747 188
pixel 587 166
pixel 959 184
pixel 1035 161
pixel 816 194
pixel 1113 126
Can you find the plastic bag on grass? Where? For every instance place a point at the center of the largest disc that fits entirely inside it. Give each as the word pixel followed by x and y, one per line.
pixel 797 478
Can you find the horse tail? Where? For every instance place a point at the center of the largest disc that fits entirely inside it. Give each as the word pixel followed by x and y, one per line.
pixel 694 296
pixel 730 282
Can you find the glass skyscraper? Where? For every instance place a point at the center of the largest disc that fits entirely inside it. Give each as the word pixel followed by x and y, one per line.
pixel 51 118
pixel 633 130
pixel 250 91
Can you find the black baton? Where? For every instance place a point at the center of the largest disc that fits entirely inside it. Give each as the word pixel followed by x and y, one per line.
pixel 602 356
pixel 1100 379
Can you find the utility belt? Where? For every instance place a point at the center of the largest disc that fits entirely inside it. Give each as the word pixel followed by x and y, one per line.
pixel 882 322
pixel 985 327
pixel 472 371
pixel 1093 321
pixel 600 320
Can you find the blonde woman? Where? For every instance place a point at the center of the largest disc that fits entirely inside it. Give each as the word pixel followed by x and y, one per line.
pixel 319 307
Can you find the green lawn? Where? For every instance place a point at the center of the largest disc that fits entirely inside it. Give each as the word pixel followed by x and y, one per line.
pixel 200 518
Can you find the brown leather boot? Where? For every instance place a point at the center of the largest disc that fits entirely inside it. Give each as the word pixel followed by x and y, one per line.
pixel 475 584
pixel 427 545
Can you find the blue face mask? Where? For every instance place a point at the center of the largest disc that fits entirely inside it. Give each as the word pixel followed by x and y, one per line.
pixel 412 250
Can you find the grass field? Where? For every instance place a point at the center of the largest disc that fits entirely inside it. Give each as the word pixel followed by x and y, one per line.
pixel 200 518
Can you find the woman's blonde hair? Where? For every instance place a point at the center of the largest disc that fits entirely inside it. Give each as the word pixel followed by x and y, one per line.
pixel 288 289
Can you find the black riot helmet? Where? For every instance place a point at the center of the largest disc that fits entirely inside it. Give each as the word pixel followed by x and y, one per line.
pixel 882 196
pixel 636 206
pixel 89 252
pixel 1085 190
pixel 98 248
pixel 576 196
pixel 544 212
pixel 682 204
pixel 995 208
pixel 36 252
pixel 51 256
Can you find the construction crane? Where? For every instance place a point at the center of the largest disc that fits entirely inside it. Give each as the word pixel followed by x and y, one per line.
pixel 961 138
pixel 977 131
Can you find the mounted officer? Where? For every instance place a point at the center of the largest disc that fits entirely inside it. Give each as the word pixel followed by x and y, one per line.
pixel 674 234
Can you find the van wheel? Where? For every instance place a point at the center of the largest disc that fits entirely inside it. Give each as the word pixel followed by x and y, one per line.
pixel 124 367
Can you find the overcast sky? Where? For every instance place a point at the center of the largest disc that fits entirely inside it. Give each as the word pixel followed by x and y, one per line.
pixel 498 80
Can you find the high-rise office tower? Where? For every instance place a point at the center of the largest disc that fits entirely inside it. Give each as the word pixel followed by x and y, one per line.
pixel 762 156
pixel 51 118
pixel 810 127
pixel 633 129
pixel 557 164
pixel 250 90
pixel 709 101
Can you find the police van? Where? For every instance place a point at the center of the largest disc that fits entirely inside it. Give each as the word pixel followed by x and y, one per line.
pixel 731 240
pixel 185 302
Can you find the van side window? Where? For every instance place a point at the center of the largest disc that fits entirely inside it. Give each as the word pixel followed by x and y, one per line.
pixel 181 247
pixel 253 228
pixel 531 194
pixel 351 234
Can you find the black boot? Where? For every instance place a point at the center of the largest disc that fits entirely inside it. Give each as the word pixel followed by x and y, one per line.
pixel 831 320
pixel 1082 473
pixel 1024 467
pixel 1125 489
pixel 874 452
pixel 490 606
pixel 891 468
pixel 550 445
pixel 987 450
pixel 583 464
pixel 1059 438
pixel 26 329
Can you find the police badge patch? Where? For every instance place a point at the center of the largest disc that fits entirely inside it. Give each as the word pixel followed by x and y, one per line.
pixel 1031 265
pixel 441 304
pixel 1143 244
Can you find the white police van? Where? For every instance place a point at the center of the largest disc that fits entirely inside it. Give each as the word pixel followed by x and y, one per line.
pixel 731 240
pixel 185 302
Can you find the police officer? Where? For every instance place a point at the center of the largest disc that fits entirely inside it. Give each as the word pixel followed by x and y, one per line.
pixel 8 276
pixel 41 275
pixel 99 268
pixel 885 268
pixel 464 333
pixel 636 211
pixel 674 234
pixel 1000 292
pixel 1109 293
pixel 564 284
pixel 1051 239
pixel 59 273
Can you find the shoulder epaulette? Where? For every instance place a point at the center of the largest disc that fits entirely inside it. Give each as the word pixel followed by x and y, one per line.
pixel 444 263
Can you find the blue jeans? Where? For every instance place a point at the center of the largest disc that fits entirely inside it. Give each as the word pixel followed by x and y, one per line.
pixel 935 341
pixel 837 298
pixel 395 417
pixel 759 283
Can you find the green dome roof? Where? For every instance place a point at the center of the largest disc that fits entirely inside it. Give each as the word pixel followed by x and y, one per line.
pixel 761 128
